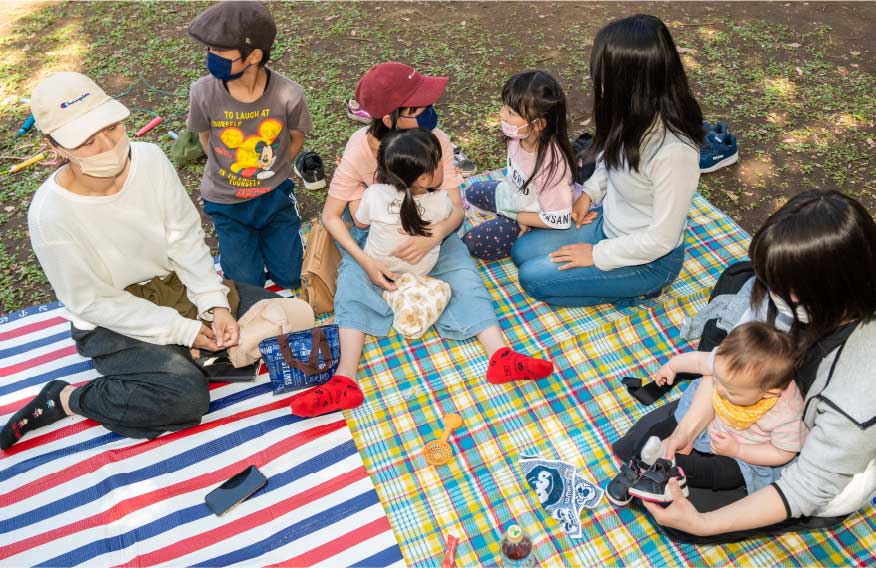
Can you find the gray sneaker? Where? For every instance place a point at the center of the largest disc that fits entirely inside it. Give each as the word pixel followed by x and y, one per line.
pixel 461 161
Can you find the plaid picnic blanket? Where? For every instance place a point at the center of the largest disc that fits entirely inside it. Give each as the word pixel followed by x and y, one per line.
pixel 574 415
pixel 75 493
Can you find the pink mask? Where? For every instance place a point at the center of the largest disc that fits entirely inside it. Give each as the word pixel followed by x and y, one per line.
pixel 513 132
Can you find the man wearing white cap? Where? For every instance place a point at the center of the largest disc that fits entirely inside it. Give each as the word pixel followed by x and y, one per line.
pixel 114 216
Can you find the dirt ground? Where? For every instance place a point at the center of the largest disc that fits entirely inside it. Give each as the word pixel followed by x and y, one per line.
pixel 796 83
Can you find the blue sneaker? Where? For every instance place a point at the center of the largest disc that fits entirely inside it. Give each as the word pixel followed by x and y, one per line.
pixel 718 128
pixel 718 152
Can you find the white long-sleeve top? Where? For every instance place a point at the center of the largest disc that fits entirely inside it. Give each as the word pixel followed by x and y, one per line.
pixel 645 211
pixel 92 248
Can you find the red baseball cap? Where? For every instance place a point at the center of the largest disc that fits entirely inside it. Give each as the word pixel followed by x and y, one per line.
pixel 391 85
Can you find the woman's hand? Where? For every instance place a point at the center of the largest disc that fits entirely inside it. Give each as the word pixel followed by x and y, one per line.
pixel 724 444
pixel 581 213
pixel 206 339
pixel 380 274
pixel 225 328
pixel 413 249
pixel 665 375
pixel 573 256
pixel 680 514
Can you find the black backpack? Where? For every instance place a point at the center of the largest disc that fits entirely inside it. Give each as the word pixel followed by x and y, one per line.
pixel 731 281
pixel 585 164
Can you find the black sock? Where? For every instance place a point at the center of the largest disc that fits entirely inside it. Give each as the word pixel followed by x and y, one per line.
pixel 44 409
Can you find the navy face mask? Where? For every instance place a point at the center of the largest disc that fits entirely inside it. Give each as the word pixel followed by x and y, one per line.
pixel 428 119
pixel 220 67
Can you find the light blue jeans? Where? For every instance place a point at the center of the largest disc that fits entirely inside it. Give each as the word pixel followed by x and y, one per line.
pixel 359 303
pixel 587 286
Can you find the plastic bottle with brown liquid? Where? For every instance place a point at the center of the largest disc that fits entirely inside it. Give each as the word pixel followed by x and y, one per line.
pixel 517 548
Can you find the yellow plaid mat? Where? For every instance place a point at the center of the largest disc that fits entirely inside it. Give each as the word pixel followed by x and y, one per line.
pixel 574 415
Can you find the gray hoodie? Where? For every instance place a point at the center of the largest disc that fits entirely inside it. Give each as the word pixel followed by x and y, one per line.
pixel 835 473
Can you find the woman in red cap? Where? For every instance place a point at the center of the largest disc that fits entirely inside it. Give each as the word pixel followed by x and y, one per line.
pixel 400 97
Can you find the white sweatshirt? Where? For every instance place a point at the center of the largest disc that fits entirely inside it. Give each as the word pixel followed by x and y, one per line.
pixel 646 210
pixel 92 248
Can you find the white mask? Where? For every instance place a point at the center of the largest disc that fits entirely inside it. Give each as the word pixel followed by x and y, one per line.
pixel 785 309
pixel 106 164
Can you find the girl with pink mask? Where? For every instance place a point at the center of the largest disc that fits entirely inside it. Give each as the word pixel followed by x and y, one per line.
pixel 537 190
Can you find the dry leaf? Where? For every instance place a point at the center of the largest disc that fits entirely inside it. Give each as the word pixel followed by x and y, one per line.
pixel 799 71
pixel 353 33
pixel 685 50
pixel 871 143
pixel 9 209
pixel 855 53
pixel 792 45
pixel 855 65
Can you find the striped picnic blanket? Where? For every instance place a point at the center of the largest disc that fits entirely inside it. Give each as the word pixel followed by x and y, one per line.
pixel 76 493
pixel 574 415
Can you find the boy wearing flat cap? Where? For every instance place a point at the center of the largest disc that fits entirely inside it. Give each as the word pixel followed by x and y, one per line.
pixel 251 122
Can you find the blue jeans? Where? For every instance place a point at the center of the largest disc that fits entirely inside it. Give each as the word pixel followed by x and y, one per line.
pixel 260 232
pixel 587 286
pixel 359 303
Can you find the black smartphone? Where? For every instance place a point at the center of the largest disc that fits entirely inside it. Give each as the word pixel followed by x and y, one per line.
pixel 235 490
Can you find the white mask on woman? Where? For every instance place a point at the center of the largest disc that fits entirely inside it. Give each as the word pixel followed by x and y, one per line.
pixel 785 309
pixel 106 164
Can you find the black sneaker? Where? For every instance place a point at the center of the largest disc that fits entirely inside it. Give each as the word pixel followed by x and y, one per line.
pixel 653 485
pixel 618 489
pixel 462 162
pixel 308 166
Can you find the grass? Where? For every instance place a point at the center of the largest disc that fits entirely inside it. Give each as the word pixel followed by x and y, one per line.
pixel 801 101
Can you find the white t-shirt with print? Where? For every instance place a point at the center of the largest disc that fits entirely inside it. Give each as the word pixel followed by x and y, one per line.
pixel 548 195
pixel 380 208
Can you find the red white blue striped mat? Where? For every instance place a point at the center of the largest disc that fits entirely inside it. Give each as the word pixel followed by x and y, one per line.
pixel 75 493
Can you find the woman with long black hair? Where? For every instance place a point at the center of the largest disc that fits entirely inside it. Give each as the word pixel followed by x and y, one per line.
pixel 648 129
pixel 815 276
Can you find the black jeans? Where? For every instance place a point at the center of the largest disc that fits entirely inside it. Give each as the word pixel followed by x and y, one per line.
pixel 657 421
pixel 702 470
pixel 146 389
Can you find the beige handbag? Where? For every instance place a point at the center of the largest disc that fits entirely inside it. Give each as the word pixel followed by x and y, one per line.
pixel 268 318
pixel 319 272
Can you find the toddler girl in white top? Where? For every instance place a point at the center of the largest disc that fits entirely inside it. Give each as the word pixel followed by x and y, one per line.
pixel 404 202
